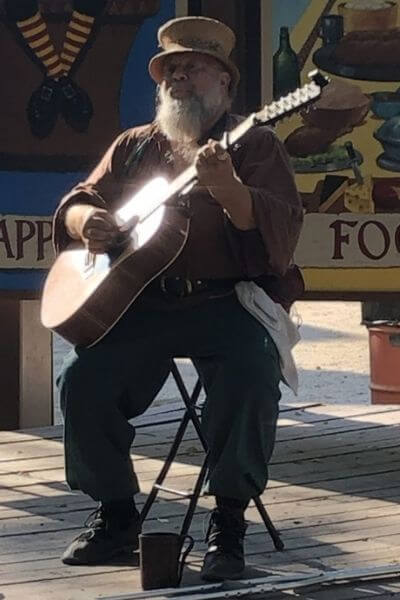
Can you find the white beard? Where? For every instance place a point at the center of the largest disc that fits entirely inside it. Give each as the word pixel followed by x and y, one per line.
pixel 184 120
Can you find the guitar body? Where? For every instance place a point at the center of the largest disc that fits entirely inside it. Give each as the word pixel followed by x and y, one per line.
pixel 83 303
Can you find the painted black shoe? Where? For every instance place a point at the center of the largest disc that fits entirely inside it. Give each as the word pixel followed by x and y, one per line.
pixel 43 108
pixel 103 539
pixel 225 556
pixel 76 106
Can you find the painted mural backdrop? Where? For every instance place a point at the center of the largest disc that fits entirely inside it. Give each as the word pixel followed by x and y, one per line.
pixel 63 61
pixel 346 148
pixel 74 74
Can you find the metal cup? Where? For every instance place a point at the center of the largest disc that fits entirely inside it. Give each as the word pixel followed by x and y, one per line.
pixel 161 563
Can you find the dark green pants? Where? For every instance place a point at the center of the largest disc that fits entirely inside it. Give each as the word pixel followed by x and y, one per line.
pixel 104 386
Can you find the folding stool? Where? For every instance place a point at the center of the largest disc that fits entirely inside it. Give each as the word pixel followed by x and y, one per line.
pixel 191 415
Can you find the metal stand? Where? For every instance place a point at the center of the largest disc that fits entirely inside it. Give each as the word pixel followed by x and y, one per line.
pixel 270 585
pixel 190 415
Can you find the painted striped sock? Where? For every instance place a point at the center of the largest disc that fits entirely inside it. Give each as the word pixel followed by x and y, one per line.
pixel 34 31
pixel 79 29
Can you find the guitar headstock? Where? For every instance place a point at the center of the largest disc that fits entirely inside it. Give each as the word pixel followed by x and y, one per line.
pixel 295 101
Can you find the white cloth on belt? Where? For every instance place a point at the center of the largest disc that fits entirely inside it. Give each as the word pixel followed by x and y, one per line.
pixel 278 324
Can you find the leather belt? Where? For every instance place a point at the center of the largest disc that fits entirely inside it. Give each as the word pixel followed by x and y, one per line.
pixel 180 287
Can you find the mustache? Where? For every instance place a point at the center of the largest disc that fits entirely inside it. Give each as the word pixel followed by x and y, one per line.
pixel 164 96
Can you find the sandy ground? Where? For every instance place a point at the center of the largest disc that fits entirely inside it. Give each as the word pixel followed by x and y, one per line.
pixel 332 357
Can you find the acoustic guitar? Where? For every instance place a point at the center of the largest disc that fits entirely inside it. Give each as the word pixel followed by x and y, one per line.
pixel 85 295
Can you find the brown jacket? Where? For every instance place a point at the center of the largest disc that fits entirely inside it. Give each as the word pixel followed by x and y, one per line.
pixel 215 248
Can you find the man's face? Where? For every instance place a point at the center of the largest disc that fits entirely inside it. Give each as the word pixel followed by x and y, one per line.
pixel 193 94
pixel 185 75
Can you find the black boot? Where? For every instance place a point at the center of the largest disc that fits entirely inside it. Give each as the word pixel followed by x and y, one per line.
pixel 76 106
pixel 108 534
pixel 43 108
pixel 225 556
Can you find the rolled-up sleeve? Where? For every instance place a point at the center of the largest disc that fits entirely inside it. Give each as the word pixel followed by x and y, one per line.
pixel 101 188
pixel 265 169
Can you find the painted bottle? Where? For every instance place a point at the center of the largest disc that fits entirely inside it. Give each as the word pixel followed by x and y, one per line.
pixel 286 72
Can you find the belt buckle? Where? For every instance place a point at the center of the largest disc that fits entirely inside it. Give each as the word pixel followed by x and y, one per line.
pixel 189 287
pixel 184 287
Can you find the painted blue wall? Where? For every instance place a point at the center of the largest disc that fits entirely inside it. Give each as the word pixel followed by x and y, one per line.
pixel 138 91
pixel 39 193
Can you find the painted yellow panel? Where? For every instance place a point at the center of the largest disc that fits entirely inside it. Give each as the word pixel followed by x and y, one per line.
pixel 377 194
pixel 352 280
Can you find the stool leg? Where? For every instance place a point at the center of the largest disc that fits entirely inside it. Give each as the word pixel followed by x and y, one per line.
pixel 189 415
pixel 194 499
pixel 279 545
pixel 166 466
pixel 190 401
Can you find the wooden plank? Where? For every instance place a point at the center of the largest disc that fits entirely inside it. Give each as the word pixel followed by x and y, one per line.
pixel 34 569
pixel 356 485
pixel 325 506
pixel 31 435
pixel 270 559
pixel 307 431
pixel 275 492
pixel 338 442
pixel 146 445
pixel 45 466
pixel 311 411
pixel 345 411
pixel 55 432
pixel 39 532
pixel 191 451
pixel 69 574
pixel 52 569
pixel 119 576
pixel 379 462
pixel 172 514
pixel 171 413
pixel 50 432
pixel 77 587
pixel 285 432
pixel 327 554
pixel 278 510
pixel 293 428
pixel 283 514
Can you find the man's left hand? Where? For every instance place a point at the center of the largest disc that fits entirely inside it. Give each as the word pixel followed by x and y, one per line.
pixel 216 172
pixel 214 165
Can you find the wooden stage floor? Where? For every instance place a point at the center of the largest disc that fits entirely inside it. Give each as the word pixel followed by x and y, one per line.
pixel 334 494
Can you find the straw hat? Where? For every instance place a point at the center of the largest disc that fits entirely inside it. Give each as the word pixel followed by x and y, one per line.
pixel 195 34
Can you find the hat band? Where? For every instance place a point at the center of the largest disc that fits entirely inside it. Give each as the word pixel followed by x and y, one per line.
pixel 201 44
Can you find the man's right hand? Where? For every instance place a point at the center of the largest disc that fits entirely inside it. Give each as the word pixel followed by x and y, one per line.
pixel 95 226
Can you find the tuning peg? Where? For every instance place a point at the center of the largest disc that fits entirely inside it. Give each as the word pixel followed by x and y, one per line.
pixel 296 97
pixel 271 112
pixel 319 79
